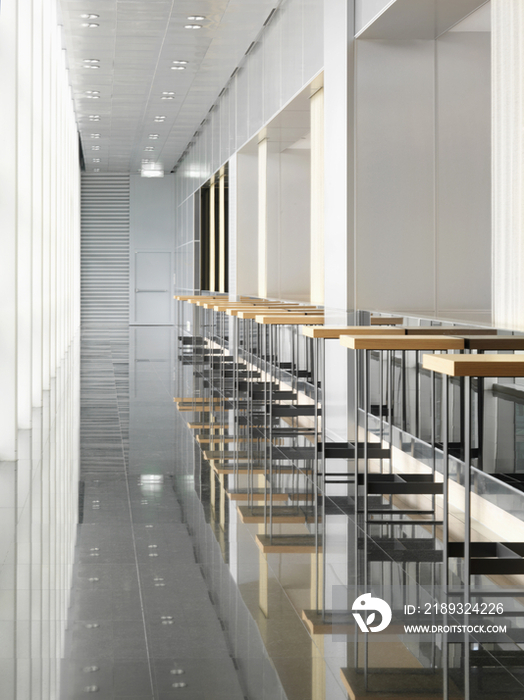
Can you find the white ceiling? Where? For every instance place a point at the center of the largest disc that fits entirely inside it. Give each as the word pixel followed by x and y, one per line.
pixel 136 43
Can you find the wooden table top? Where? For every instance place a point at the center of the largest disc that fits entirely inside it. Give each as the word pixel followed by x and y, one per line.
pixel 475 365
pixel 493 342
pixel 337 331
pixel 194 298
pixel 289 319
pixel 236 311
pixel 455 330
pixel 386 320
pixel 259 310
pixel 225 306
pixel 401 342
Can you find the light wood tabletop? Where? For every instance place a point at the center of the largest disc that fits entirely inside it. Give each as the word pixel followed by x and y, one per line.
pixel 194 298
pixel 475 365
pixel 337 331
pixel 404 342
pixel 386 320
pixel 224 306
pixel 455 330
pixel 493 342
pixel 289 319
pixel 257 311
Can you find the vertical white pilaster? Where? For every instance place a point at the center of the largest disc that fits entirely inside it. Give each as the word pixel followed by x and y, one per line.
pixel 317 197
pixel 339 234
pixel 262 218
pixel 508 162
pixel 339 158
pixel 24 183
pixel 46 196
pixel 8 217
pixel 36 209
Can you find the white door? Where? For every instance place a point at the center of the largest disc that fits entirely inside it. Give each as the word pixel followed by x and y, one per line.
pixel 153 287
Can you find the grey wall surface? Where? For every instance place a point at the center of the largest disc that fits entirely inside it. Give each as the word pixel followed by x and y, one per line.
pixel 367 10
pixel 423 168
pixel 105 249
pixel 395 174
pixel 464 171
pixel 152 229
pixel 295 224
pixel 243 224
pixel 287 55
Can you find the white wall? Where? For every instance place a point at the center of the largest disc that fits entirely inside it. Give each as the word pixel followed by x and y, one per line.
pixel 39 211
pixel 287 55
pixel 423 169
pixel 151 226
pixel 395 175
pixel 39 320
pixel 243 223
pixel 294 245
pixel 508 163
pixel 463 263
pixel 367 10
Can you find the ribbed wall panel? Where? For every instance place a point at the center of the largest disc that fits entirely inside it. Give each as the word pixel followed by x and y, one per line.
pixel 105 249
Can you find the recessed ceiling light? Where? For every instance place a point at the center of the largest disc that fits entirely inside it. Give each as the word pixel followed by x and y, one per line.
pixel 153 136
pixel 168 93
pixel 92 16
pixel 96 160
pixel 91 25
pixel 95 148
pixel 94 117
pixel 91 60
pixel 95 136
pixel 181 63
pixel 146 160
pixel 192 26
pixel 149 148
pixel 198 18
pixel 167 97
pixel 96 170
pixel 91 66
pixel 93 97
pixel 172 67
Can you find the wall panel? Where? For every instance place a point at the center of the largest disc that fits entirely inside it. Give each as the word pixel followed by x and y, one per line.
pixel 105 249
pixel 508 163
pixel 395 172
pixel 286 56
pixel 464 172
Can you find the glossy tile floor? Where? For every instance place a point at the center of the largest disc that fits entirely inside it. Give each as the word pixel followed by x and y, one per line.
pixel 161 592
pixel 141 623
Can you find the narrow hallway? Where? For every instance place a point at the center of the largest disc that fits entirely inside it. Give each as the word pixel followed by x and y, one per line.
pixel 141 622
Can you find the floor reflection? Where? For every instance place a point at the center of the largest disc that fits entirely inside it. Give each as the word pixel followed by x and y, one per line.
pixel 301 569
pixel 146 573
pixel 38 516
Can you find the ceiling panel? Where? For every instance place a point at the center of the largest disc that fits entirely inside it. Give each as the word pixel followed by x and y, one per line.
pixel 135 44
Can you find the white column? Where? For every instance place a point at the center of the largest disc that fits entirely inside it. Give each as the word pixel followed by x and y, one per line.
pixel 339 235
pixel 36 210
pixel 317 197
pixel 46 197
pixel 508 162
pixel 8 217
pixel 24 209
pixel 338 158
pixel 262 218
